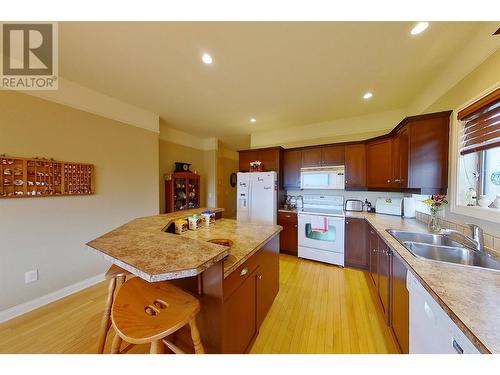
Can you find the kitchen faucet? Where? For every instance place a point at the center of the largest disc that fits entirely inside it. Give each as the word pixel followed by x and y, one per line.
pixel 476 241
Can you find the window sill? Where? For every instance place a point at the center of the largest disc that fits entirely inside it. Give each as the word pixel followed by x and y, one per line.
pixel 483 213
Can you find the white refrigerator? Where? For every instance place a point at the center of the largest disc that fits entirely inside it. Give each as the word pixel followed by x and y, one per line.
pixel 257 197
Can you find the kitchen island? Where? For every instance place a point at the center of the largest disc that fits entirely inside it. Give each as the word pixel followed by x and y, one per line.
pixel 236 286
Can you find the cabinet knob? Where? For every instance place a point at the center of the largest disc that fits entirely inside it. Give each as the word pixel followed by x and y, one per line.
pixel 259 277
pixel 244 271
pixel 389 181
pixel 397 180
pixel 295 225
pixel 347 222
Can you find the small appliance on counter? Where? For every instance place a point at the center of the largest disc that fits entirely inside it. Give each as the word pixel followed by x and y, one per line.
pixel 389 206
pixel 353 205
pixel 409 208
pixel 369 207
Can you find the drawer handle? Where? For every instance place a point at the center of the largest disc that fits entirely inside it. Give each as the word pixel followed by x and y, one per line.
pixel 259 277
pixel 457 347
pixel 244 271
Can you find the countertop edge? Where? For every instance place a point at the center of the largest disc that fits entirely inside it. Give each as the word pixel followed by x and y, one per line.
pixel 250 253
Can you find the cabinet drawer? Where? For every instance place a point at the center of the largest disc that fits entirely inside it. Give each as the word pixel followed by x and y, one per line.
pixel 287 216
pixel 239 275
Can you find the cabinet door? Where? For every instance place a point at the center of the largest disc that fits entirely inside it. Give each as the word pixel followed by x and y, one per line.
pixel 373 239
pixel 289 235
pixel 333 155
pixel 245 157
pixel 312 157
pixel 356 244
pixel 240 317
pixel 355 166
pixel 267 282
pixel 379 163
pixel 399 303
pixel 403 157
pixel 270 160
pixel 396 161
pixel 291 168
pixel 429 154
pixel 384 268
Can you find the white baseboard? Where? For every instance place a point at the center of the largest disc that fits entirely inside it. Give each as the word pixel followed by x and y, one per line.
pixel 25 307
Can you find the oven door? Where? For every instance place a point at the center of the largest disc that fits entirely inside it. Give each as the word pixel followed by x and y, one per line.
pixel 332 240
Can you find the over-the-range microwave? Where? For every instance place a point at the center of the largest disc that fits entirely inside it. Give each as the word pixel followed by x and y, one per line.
pixel 323 177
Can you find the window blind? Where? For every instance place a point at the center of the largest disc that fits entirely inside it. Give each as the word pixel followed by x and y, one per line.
pixel 481 124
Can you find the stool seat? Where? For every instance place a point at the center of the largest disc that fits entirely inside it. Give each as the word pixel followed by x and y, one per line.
pixel 145 312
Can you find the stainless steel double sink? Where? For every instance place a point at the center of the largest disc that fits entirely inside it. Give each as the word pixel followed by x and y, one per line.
pixel 440 247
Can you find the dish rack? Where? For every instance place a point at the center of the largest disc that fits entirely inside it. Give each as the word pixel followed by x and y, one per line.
pixel 30 178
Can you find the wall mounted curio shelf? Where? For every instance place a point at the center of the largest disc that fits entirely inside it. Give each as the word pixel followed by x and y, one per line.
pixel 30 178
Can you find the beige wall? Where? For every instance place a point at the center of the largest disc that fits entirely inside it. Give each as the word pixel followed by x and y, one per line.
pixel 171 153
pixel 227 163
pixel 50 233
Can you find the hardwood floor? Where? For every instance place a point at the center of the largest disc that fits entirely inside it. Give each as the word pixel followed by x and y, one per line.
pixel 319 309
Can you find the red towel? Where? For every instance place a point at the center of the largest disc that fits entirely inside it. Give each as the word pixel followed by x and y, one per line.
pixel 319 224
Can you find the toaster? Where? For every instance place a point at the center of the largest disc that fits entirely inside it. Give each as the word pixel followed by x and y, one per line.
pixel 354 205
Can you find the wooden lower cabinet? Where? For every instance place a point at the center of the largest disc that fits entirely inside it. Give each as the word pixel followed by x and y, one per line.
pixel 249 292
pixel 388 274
pixel 355 254
pixel 384 276
pixel 240 317
pixel 289 234
pixel 373 256
pixel 400 303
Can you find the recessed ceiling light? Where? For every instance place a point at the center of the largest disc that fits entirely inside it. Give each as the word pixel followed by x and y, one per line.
pixel 367 95
pixel 419 27
pixel 253 119
pixel 206 58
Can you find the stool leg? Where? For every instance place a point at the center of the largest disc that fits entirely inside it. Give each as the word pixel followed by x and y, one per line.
pixel 157 347
pixel 106 321
pixel 195 335
pixel 117 342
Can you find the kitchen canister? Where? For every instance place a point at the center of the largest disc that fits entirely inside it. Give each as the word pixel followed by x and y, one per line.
pixel 195 222
pixel 208 217
pixel 181 226
pixel 484 201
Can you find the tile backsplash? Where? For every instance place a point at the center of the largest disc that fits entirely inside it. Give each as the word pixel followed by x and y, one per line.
pixel 492 243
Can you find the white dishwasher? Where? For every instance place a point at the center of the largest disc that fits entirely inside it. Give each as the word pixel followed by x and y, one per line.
pixel 431 330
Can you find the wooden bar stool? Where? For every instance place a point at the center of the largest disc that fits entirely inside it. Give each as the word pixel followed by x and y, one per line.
pixel 116 277
pixel 146 312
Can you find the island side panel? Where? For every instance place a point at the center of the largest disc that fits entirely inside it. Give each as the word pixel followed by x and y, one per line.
pixel 268 279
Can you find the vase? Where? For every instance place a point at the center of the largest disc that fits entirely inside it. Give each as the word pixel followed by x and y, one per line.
pixel 434 222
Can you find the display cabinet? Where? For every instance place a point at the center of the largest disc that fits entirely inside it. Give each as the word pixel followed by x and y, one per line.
pixel 182 191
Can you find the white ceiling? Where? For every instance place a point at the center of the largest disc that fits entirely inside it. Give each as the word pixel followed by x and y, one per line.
pixel 284 74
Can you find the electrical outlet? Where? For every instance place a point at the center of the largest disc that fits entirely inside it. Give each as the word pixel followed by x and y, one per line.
pixel 30 276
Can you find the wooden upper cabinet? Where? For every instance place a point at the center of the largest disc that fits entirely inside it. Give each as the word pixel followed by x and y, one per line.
pixel 333 155
pixel 245 157
pixel 379 168
pixel 323 156
pixel 355 166
pixel 270 158
pixel 292 162
pixel 312 157
pixel 428 154
pixel 400 159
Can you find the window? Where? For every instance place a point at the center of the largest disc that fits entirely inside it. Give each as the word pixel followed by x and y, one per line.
pixel 479 153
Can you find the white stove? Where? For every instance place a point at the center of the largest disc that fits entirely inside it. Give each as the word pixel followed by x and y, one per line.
pixel 322 229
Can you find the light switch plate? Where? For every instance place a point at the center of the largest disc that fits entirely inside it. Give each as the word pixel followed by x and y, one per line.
pixel 31 276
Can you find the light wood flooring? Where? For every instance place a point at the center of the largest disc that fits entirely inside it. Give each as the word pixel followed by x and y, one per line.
pixel 319 309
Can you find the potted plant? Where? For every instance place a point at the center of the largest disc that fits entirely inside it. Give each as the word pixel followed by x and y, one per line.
pixel 436 203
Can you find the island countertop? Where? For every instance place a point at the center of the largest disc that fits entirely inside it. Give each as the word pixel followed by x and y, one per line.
pixel 144 248
pixel 470 296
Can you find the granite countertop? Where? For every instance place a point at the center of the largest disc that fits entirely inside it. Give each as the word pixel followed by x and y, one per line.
pixel 470 296
pixel 145 249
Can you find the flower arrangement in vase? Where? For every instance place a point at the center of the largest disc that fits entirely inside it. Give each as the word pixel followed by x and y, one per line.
pixel 436 203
